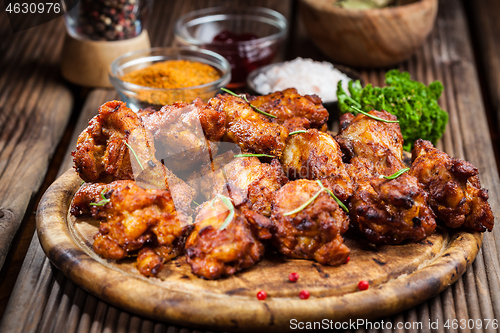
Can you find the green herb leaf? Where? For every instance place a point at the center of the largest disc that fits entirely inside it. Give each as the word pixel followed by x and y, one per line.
pixel 308 202
pixel 414 103
pixel 103 201
pixel 296 132
pixel 335 198
pixel 374 117
pixel 244 97
pixel 229 205
pixel 396 174
pixel 135 155
pixel 254 155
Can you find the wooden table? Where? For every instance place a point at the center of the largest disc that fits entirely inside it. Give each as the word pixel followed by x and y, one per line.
pixel 41 116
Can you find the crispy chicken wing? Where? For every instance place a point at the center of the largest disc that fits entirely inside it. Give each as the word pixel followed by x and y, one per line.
pixel 116 146
pixel 453 184
pixel 316 155
pixel 250 130
pixel 388 211
pixel 377 141
pixel 179 131
pixel 101 154
pixel 313 233
pixel 212 252
pixel 246 180
pixel 133 218
pixel 288 104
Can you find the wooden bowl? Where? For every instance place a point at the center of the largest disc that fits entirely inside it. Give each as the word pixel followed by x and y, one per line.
pixel 368 38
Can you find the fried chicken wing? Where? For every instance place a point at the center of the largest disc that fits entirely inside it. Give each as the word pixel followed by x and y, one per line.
pixel 377 141
pixel 185 134
pixel 101 154
pixel 212 252
pixel 289 104
pixel 116 146
pixel 453 184
pixel 388 211
pixel 313 233
pixel 316 155
pixel 133 218
pixel 250 130
pixel 246 180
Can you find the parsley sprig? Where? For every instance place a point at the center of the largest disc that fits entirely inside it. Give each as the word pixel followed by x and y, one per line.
pixel 414 103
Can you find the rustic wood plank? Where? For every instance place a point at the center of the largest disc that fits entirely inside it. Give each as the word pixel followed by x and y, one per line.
pixel 485 23
pixel 34 110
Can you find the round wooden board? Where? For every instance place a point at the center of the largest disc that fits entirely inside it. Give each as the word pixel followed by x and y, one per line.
pixel 400 277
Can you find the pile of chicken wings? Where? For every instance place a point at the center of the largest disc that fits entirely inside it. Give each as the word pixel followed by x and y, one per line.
pixel 221 181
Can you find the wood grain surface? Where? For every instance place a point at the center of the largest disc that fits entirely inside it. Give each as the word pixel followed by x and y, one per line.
pixel 35 106
pixel 44 300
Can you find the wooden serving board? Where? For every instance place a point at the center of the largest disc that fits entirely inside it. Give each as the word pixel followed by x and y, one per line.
pixel 400 276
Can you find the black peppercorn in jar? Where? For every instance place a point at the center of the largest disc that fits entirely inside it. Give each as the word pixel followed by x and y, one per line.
pixel 106 20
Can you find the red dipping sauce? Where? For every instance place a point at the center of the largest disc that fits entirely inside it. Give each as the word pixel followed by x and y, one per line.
pixel 243 55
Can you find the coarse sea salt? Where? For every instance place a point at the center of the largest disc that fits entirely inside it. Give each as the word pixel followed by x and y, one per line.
pixel 305 75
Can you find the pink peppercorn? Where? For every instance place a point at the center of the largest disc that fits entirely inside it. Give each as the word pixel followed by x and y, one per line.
pixel 293 277
pixel 363 285
pixel 304 294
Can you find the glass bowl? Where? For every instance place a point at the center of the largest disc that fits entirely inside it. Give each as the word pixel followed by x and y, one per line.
pixel 248 38
pixel 141 97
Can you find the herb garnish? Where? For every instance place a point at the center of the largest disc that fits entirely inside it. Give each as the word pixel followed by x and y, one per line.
pixel 133 152
pixel 103 201
pixel 308 202
pixel 244 97
pixel 229 205
pixel 374 117
pixel 396 174
pixel 414 103
pixel 253 155
pixel 296 132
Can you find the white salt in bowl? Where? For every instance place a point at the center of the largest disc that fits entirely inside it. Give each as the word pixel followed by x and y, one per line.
pixel 306 75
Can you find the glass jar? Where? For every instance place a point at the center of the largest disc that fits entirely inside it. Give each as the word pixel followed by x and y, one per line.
pixel 106 20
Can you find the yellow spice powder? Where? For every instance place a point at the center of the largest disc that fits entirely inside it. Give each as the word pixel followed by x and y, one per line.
pixel 173 74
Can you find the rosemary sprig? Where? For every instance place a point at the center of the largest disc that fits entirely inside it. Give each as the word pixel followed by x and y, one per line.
pixel 396 174
pixel 244 97
pixel 336 199
pixel 253 155
pixel 103 201
pixel 135 155
pixel 296 132
pixel 229 205
pixel 308 202
pixel 374 117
